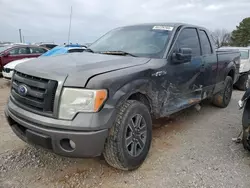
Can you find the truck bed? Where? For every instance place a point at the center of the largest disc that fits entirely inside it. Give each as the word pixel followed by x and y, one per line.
pixel 225 57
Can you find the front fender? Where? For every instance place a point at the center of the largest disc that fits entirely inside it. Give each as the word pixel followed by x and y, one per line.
pixel 140 85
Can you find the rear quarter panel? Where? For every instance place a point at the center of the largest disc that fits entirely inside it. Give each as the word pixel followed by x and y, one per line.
pixel 227 61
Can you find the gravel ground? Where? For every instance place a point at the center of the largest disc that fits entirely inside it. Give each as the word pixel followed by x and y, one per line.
pixel 192 149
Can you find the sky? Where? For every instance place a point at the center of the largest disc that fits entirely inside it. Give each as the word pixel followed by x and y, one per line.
pixel 48 20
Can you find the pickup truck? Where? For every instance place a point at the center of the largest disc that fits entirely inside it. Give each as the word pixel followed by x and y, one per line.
pixel 102 101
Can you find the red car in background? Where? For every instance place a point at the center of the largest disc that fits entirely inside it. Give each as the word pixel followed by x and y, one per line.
pixel 10 53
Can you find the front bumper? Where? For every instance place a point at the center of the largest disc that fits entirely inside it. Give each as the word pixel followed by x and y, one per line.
pixel 87 143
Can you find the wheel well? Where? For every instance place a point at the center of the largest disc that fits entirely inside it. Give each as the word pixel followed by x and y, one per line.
pixel 231 74
pixel 142 98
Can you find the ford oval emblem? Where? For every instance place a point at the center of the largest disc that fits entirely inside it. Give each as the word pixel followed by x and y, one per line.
pixel 22 90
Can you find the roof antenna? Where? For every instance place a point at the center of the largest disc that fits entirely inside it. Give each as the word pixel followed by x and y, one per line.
pixel 70 24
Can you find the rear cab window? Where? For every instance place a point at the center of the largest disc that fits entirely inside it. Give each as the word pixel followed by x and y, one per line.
pixel 205 43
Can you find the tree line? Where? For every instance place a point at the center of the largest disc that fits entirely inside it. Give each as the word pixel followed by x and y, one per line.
pixel 238 37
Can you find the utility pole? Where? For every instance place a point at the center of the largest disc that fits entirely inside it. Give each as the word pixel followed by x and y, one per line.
pixel 23 40
pixel 70 24
pixel 20 35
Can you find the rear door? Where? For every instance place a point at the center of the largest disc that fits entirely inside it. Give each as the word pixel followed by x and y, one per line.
pixel 15 54
pixel 209 62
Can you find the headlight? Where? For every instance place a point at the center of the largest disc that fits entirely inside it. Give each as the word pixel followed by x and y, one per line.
pixel 75 100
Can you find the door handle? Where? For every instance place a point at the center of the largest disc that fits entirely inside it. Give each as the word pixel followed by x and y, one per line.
pixel 202 69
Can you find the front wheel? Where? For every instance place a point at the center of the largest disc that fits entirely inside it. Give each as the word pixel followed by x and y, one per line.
pixel 223 98
pixel 130 137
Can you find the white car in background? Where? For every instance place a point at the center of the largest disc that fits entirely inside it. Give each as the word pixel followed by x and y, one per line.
pixel 8 69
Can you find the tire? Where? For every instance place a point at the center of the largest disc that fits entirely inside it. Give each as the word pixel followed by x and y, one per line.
pixel 222 99
pixel 117 152
pixel 245 139
pixel 243 82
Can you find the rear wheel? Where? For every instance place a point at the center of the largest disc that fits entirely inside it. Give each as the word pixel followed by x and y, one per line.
pixel 243 82
pixel 130 137
pixel 223 98
pixel 245 139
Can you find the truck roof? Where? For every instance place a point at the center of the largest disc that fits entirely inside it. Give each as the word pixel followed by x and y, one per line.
pixel 171 24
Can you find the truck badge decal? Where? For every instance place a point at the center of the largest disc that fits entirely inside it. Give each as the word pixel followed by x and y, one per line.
pixel 22 90
pixel 159 73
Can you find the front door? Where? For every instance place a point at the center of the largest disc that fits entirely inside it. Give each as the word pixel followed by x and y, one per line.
pixel 184 84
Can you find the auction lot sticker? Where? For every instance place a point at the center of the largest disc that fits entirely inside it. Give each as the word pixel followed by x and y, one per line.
pixel 163 27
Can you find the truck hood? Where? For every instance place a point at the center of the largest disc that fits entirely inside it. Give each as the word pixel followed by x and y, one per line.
pixel 77 68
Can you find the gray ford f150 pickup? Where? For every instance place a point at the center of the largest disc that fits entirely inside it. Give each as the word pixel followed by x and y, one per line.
pixel 102 101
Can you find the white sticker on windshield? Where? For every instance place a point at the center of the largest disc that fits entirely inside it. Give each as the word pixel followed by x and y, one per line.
pixel 163 27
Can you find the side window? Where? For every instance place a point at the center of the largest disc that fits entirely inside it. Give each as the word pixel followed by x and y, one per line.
pixel 50 46
pixel 14 51
pixel 42 50
pixel 188 38
pixel 35 50
pixel 213 41
pixel 205 44
pixel 19 51
pixel 75 50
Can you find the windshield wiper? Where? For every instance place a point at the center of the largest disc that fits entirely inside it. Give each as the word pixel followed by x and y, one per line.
pixel 117 53
pixel 89 50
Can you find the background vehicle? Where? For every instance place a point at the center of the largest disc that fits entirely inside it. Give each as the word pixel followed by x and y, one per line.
pixel 48 45
pixel 103 100
pixel 14 52
pixel 243 81
pixel 9 68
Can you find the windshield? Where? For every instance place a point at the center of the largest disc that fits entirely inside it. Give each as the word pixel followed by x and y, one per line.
pixel 56 51
pixel 244 54
pixel 144 41
pixel 3 48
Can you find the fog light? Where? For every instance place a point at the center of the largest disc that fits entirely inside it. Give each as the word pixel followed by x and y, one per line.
pixel 67 144
pixel 72 144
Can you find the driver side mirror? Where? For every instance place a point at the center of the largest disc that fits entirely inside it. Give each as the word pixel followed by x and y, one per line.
pixel 6 54
pixel 183 55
